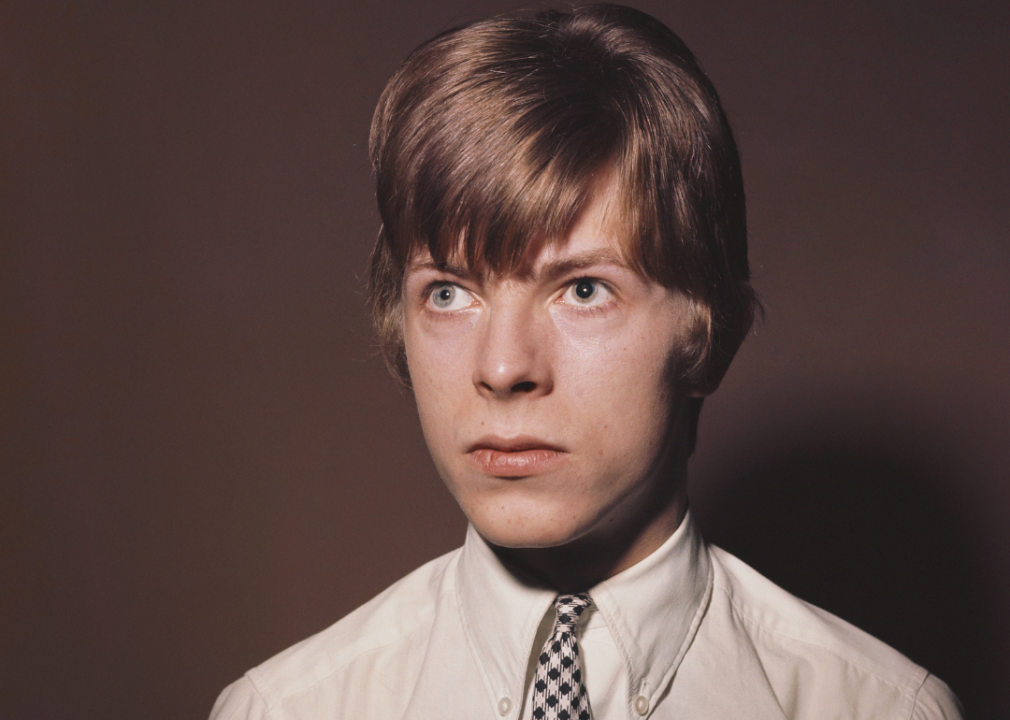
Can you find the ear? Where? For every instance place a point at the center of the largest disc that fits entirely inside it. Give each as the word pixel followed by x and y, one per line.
pixel 724 341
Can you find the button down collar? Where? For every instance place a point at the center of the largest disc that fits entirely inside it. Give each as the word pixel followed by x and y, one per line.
pixel 652 610
pixel 500 614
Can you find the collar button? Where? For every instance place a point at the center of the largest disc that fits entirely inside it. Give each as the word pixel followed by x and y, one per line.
pixel 641 705
pixel 504 706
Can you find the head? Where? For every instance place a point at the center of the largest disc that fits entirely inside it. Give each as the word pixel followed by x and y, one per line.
pixel 495 144
pixel 489 140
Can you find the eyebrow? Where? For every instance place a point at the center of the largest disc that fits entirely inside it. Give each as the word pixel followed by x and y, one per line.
pixel 429 264
pixel 563 266
pixel 549 271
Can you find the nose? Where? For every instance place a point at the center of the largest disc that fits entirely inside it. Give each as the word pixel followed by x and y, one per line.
pixel 514 358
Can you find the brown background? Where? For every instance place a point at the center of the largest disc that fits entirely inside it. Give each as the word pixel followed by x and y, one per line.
pixel 203 460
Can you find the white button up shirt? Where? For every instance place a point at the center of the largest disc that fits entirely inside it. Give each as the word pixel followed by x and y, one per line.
pixel 689 632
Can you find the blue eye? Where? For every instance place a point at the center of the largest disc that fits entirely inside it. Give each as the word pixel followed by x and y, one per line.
pixel 443 295
pixel 448 297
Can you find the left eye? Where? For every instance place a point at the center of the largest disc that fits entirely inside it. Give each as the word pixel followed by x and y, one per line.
pixel 447 296
pixel 586 292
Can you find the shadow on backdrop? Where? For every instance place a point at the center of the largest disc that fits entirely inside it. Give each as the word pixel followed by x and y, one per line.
pixel 864 533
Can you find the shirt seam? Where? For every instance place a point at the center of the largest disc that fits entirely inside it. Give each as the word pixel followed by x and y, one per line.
pixel 915 697
pixel 904 688
pixel 259 694
pixel 280 698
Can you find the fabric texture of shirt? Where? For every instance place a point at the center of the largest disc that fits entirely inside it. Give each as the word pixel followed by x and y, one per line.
pixel 689 632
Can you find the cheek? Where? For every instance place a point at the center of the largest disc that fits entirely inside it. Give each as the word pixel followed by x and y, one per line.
pixel 429 349
pixel 631 362
pixel 622 385
pixel 437 359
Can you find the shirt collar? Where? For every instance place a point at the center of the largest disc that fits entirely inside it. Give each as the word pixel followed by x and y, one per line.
pixel 652 609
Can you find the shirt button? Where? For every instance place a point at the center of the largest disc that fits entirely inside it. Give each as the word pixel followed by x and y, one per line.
pixel 504 706
pixel 641 704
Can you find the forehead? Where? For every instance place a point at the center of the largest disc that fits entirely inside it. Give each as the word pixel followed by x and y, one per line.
pixel 595 238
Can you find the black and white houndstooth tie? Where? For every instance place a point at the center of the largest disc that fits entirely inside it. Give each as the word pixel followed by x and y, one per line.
pixel 558 690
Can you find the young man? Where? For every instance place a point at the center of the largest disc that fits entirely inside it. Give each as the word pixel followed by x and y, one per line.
pixel 560 279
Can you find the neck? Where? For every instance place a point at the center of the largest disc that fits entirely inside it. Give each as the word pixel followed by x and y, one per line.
pixel 609 549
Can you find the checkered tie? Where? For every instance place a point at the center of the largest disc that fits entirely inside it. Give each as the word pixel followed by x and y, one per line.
pixel 558 691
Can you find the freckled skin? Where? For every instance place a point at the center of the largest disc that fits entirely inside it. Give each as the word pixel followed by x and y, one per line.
pixel 525 357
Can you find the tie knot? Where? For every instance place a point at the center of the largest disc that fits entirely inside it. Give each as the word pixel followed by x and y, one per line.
pixel 569 608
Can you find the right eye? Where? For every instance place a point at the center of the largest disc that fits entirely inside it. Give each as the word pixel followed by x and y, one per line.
pixel 445 297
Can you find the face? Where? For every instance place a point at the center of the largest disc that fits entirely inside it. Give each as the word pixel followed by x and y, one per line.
pixel 547 399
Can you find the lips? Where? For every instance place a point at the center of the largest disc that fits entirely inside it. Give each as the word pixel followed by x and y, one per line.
pixel 514 457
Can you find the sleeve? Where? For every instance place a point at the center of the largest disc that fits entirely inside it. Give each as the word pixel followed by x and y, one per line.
pixel 240 701
pixel 936 701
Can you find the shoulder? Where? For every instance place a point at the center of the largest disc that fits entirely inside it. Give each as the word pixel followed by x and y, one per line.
pixel 780 619
pixel 814 660
pixel 379 642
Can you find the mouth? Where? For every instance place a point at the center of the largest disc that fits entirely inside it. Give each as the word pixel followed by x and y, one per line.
pixel 514 457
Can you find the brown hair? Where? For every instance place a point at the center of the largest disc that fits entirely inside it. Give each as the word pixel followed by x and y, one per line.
pixel 490 139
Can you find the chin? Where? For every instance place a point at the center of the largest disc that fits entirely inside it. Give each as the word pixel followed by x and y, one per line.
pixel 521 530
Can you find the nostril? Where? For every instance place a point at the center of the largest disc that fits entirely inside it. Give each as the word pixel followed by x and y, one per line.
pixel 524 387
